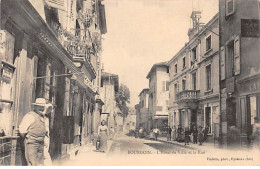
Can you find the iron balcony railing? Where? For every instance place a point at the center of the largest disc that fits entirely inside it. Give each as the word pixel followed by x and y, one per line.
pixel 188 95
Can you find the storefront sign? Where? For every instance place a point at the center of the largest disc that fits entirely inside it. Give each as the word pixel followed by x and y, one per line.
pixel 7 72
pixel 250 28
pixel 250 86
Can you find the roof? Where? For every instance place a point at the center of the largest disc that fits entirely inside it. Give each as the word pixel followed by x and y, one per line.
pixel 106 75
pixel 146 89
pixel 161 64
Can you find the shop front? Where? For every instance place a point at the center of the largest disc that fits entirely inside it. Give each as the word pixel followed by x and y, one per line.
pixel 249 106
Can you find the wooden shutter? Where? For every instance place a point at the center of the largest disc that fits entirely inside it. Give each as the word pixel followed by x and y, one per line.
pixel 222 63
pixel 237 55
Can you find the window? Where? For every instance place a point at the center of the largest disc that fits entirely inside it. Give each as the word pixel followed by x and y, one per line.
pixel 194 53
pixel 183 62
pixel 233 57
pixel 175 91
pixel 230 59
pixel 208 43
pixel 194 81
pixel 208 117
pixel 176 68
pixel 237 55
pixel 230 7
pixel 208 77
pixel 102 83
pixel 167 85
pixel 183 84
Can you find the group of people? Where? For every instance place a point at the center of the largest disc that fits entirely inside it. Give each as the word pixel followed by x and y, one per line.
pixel 141 133
pixel 188 134
pixel 34 130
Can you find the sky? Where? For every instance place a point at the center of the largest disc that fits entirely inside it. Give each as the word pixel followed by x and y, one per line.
pixel 141 33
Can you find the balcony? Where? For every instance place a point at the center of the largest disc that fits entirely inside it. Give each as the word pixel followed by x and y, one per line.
pixel 187 95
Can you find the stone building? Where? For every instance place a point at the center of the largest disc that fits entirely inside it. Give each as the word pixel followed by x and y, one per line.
pixel 108 89
pixel 159 96
pixel 240 69
pixel 49 50
pixel 144 97
pixel 194 79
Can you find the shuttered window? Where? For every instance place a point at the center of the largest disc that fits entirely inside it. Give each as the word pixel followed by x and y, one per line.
pixel 237 55
pixel 222 63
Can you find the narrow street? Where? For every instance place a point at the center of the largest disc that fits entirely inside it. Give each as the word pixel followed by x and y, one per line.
pixel 128 150
pixel 126 145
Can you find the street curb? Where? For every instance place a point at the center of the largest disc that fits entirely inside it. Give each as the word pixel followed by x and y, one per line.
pixel 177 144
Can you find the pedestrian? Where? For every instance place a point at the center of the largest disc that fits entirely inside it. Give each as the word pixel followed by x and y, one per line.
pixel 206 131
pixel 195 135
pixel 174 133
pixel 187 136
pixel 137 133
pixel 103 134
pixel 256 133
pixel 200 135
pixel 156 133
pixel 152 134
pixel 179 133
pixel 32 129
pixel 141 132
pixel 169 135
pixel 47 157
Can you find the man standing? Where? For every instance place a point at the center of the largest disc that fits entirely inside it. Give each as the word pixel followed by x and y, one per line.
pixel 169 134
pixel 32 128
pixel 156 132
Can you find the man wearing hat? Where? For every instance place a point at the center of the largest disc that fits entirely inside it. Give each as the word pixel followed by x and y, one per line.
pixel 32 128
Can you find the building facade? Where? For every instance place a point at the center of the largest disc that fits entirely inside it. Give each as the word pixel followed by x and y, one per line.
pixel 137 116
pixel 158 96
pixel 46 54
pixel 108 90
pixel 144 97
pixel 194 79
pixel 240 69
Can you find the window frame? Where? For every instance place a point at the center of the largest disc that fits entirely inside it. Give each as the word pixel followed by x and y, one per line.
pixel 208 81
pixel 206 42
pixel 176 68
pixel 227 13
pixel 184 62
pixel 192 54
pixel 183 85
pixel 194 87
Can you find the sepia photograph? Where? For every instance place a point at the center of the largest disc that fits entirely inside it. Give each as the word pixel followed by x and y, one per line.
pixel 129 83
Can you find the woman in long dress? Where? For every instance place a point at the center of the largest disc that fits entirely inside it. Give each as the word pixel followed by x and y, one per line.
pixel 103 134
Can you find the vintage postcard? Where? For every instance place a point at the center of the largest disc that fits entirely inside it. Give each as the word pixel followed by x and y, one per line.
pixel 129 82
